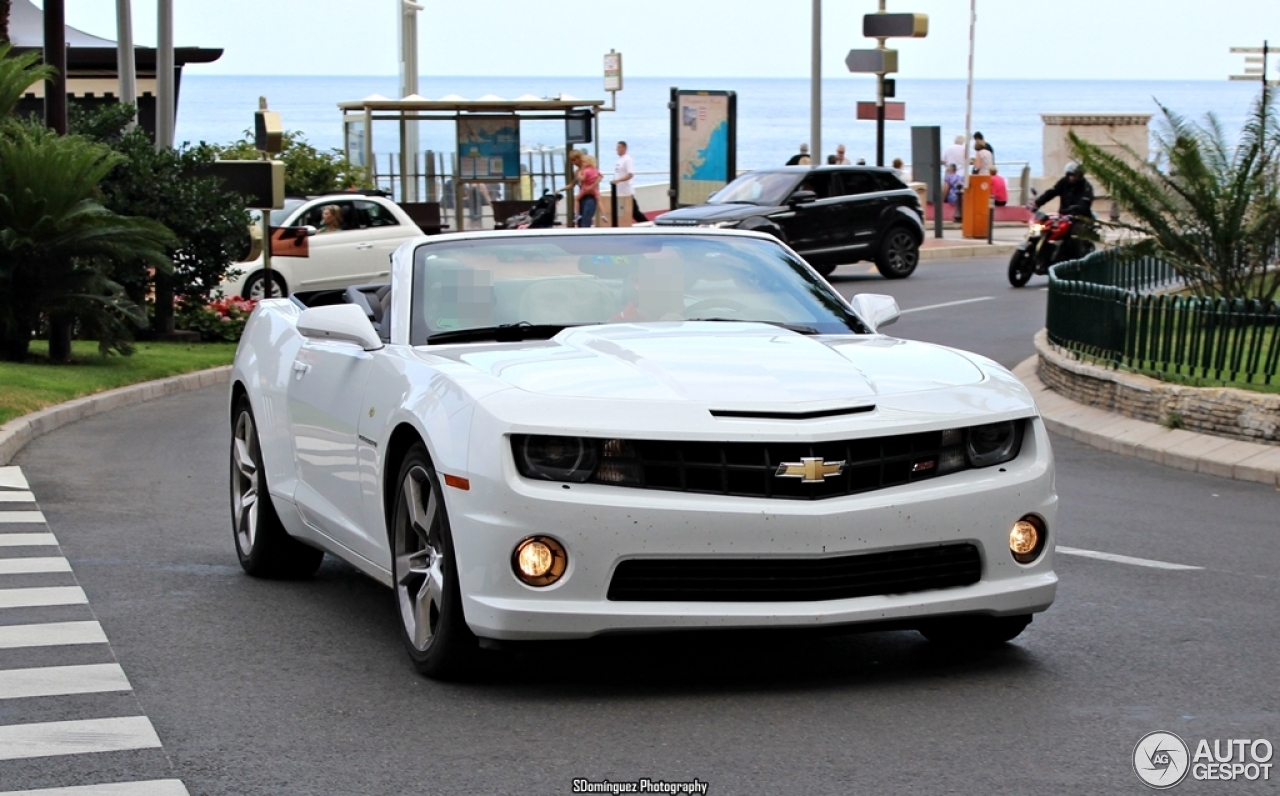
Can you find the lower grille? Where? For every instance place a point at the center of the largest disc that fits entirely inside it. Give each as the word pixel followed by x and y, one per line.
pixel 796 580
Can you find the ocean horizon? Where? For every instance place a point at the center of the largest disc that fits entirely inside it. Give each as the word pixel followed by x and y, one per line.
pixel 773 113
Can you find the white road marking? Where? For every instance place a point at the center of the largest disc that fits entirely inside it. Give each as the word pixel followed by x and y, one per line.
pixel 20 741
pixel 947 304
pixel 12 478
pixel 155 787
pixel 94 678
pixel 22 517
pixel 8 496
pixel 51 634
pixel 1137 562
pixel 27 566
pixel 42 595
pixel 27 540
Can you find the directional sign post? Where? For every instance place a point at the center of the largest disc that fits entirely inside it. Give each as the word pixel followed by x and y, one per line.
pixel 1255 64
pixel 882 61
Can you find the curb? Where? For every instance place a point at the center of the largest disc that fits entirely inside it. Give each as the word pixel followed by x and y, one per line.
pixel 1183 450
pixel 948 252
pixel 15 434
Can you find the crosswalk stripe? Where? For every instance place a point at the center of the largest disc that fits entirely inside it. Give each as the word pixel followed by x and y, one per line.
pixel 51 634
pixel 94 678
pixel 29 566
pixel 27 540
pixel 155 787
pixel 7 496
pixel 84 736
pixel 12 478
pixel 16 517
pixel 42 595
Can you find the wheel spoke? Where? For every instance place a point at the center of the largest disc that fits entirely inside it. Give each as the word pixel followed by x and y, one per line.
pixel 244 461
pixel 428 605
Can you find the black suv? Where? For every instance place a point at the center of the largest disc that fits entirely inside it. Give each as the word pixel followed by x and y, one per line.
pixel 831 215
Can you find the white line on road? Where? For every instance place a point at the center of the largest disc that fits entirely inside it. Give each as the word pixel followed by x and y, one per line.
pixel 1137 562
pixel 7 496
pixel 947 304
pixel 51 634
pixel 28 566
pixel 42 595
pixel 12 478
pixel 154 787
pixel 15 517
pixel 94 678
pixel 20 741
pixel 27 540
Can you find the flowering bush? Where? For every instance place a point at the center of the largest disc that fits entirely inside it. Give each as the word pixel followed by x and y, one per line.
pixel 218 321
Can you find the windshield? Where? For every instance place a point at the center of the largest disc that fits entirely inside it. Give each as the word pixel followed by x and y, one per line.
pixel 534 286
pixel 278 217
pixel 762 188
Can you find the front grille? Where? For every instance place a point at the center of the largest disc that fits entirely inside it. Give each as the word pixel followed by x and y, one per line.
pixel 749 469
pixel 796 580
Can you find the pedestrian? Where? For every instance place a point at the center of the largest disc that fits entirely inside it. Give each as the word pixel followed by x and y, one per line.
pixel 897 169
pixel 831 160
pixel 983 161
pixel 801 158
pixel 978 139
pixel 862 161
pixel 841 160
pixel 955 154
pixel 588 183
pixel 955 184
pixel 999 188
pixel 623 171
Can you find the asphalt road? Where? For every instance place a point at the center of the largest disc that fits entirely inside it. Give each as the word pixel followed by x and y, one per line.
pixel 302 688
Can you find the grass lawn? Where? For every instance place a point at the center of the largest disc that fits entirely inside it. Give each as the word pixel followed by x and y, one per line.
pixel 36 383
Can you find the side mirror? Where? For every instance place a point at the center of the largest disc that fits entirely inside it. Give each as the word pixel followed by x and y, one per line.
pixel 310 230
pixel 876 309
pixel 802 197
pixel 342 323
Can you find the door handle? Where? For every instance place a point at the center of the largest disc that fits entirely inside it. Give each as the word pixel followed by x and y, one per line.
pixel 364 245
pixel 300 369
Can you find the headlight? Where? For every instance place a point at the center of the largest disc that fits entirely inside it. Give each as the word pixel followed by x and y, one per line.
pixel 555 458
pixel 994 443
pixel 1036 229
pixel 719 224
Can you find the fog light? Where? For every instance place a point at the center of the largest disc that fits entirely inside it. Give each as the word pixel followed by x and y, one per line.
pixel 1026 539
pixel 539 561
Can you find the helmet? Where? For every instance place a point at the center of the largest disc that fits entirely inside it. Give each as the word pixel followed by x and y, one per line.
pixel 1074 168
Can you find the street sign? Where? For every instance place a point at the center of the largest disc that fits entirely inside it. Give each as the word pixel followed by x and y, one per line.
pixel 613 71
pixel 914 26
pixel 872 61
pixel 893 111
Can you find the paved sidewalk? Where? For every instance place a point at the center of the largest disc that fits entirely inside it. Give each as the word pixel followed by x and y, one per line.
pixel 1185 450
pixel 1004 241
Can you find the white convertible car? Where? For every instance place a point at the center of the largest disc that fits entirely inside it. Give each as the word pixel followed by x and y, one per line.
pixel 560 434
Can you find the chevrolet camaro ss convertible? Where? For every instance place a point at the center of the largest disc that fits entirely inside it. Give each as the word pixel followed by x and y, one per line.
pixel 558 434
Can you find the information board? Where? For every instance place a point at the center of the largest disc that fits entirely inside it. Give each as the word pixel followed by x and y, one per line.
pixel 703 144
pixel 488 148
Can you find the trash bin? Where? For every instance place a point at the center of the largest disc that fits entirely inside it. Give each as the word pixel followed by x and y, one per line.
pixel 975 220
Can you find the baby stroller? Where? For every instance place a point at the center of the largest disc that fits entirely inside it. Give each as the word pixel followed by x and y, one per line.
pixel 541 216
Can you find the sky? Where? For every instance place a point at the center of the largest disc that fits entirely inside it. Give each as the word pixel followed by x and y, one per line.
pixel 1020 39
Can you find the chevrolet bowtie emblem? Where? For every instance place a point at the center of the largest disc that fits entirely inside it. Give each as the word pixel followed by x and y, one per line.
pixel 810 470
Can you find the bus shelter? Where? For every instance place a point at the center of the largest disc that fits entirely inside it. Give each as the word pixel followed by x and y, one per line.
pixel 488 146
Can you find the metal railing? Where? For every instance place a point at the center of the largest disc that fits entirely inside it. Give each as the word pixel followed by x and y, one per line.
pixel 1104 307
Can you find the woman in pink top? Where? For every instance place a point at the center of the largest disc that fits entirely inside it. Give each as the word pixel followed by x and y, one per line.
pixel 999 190
pixel 588 190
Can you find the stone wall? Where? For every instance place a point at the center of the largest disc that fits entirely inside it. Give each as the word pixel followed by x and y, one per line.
pixel 1223 412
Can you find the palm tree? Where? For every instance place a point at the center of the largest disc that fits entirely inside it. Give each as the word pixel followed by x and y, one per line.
pixel 1208 208
pixel 5 6
pixel 57 243
pixel 17 75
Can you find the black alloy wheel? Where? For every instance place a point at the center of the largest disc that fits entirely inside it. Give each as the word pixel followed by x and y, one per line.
pixel 899 254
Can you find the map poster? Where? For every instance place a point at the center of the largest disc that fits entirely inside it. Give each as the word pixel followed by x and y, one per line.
pixel 703 144
pixel 489 148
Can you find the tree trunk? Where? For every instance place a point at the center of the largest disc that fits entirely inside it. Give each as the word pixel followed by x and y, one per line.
pixel 162 322
pixel 61 328
pixel 5 6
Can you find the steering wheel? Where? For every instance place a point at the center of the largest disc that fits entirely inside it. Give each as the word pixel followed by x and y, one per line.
pixel 700 307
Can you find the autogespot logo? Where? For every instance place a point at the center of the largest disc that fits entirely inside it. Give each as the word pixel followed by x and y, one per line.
pixel 1160 760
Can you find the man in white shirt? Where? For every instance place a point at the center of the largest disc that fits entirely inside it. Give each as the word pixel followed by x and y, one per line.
pixel 623 171
pixel 955 154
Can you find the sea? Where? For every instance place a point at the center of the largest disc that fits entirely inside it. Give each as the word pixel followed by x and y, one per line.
pixel 772 116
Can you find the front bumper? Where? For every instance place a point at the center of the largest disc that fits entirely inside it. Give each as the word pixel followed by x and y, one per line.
pixel 601 526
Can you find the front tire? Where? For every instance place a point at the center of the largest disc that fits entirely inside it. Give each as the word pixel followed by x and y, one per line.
pixel 255 286
pixel 975 632
pixel 264 547
pixel 1021 266
pixel 425 575
pixel 899 254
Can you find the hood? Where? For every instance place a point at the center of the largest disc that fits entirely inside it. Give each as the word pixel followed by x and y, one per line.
pixel 718 365
pixel 708 214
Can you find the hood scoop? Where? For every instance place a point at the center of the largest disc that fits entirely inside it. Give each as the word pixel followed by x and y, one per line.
pixel 848 410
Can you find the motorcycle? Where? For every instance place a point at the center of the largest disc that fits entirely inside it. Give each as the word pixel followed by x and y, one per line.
pixel 1049 241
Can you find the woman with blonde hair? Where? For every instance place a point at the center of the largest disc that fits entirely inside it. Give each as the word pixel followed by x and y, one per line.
pixel 330 219
pixel 588 183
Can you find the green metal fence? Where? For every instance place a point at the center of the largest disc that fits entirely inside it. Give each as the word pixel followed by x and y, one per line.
pixel 1105 306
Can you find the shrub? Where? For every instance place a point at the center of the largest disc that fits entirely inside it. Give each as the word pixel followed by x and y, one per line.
pixel 307 170
pixel 220 321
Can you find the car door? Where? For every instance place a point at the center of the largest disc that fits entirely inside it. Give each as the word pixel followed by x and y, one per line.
pixel 864 204
pixel 808 225
pixel 336 257
pixel 326 399
pixel 384 234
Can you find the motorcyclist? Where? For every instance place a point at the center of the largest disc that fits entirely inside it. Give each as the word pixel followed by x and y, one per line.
pixel 1073 191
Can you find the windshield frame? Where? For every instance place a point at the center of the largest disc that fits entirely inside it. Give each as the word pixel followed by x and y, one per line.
pixel 793 282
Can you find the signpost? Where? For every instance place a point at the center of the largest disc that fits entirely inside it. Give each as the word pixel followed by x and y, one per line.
pixel 882 61
pixel 1255 64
